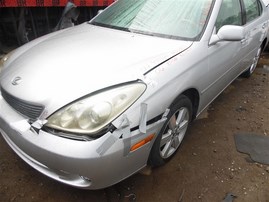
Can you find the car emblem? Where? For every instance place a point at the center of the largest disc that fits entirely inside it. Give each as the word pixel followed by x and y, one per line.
pixel 16 81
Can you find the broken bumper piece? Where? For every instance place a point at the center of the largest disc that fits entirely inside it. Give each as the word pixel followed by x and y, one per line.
pixel 76 163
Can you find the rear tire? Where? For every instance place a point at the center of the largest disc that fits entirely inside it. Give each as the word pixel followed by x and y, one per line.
pixel 172 133
pixel 254 64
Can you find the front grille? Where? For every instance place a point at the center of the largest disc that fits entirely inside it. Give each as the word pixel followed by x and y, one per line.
pixel 28 109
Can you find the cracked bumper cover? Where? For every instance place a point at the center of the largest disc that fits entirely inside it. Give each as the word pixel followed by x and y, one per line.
pixel 73 162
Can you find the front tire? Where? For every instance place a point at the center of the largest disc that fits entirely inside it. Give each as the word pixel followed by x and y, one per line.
pixel 172 133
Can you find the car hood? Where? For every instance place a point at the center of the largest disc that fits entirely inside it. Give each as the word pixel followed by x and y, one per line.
pixel 64 66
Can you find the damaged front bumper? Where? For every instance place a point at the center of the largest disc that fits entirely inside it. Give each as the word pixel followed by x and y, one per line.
pixel 91 164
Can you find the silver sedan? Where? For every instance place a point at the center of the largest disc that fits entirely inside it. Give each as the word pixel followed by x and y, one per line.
pixel 91 105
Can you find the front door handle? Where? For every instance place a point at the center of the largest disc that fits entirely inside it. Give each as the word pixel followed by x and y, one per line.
pixel 243 41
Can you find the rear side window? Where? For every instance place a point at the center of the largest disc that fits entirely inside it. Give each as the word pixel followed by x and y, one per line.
pixel 253 9
pixel 229 14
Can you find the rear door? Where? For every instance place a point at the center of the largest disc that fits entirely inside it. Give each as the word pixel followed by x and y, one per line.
pixel 255 29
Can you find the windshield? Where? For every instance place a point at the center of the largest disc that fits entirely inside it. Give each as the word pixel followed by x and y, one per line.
pixel 184 19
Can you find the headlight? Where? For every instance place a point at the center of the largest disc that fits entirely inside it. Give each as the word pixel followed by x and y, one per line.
pixel 91 114
pixel 4 59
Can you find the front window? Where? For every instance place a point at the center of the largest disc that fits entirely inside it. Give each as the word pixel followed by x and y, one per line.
pixel 252 9
pixel 229 14
pixel 183 19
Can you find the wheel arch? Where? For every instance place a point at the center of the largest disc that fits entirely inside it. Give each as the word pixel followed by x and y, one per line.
pixel 193 95
pixel 265 44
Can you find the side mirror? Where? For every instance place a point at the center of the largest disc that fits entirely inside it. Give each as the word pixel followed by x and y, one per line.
pixel 228 33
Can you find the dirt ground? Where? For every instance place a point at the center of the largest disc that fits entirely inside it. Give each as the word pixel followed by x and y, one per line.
pixel 206 167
